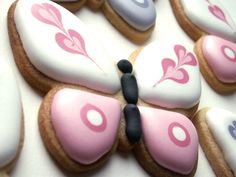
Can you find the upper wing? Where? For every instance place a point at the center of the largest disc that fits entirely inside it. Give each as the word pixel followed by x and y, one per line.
pixel 168 75
pixel 59 45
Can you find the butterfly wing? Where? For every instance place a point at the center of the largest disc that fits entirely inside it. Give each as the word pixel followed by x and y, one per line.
pixel 84 127
pixel 170 143
pixel 168 75
pixel 54 46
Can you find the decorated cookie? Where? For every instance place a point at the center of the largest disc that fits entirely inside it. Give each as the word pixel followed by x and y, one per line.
pixel 168 76
pixel 135 19
pixel 200 17
pixel 11 122
pixel 80 119
pixel 216 129
pixel 217 58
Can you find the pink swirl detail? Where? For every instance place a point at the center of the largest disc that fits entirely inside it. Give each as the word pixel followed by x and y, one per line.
pixel 70 41
pixel 217 12
pixel 48 14
pixel 174 71
pixel 87 122
pixel 173 138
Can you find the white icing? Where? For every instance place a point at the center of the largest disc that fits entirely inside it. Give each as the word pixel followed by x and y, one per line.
pixel 179 133
pixel 218 121
pixel 148 70
pixel 197 11
pixel 10 115
pixel 94 117
pixel 229 52
pixel 49 58
pixel 140 1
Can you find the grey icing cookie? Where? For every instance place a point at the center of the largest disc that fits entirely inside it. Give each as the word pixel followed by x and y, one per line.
pixel 140 14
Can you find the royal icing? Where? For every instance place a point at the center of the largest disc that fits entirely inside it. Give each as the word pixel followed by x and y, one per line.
pixel 65 49
pixel 222 124
pixel 220 55
pixel 86 124
pixel 222 20
pixel 11 115
pixel 168 75
pixel 140 14
pixel 170 138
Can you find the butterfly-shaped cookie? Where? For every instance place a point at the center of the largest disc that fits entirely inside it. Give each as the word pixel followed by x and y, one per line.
pixel 81 119
pixel 135 19
pixel 11 122
pixel 200 17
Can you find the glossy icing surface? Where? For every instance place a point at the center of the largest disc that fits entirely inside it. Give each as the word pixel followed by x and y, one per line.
pixel 170 138
pixel 168 75
pixel 222 20
pixel 140 14
pixel 65 49
pixel 222 124
pixel 10 115
pixel 86 124
pixel 220 54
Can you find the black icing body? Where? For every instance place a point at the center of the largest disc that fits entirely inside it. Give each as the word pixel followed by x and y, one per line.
pixel 133 123
pixel 129 86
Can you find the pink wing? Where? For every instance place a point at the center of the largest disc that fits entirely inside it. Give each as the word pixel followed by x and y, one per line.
pixel 170 138
pixel 86 124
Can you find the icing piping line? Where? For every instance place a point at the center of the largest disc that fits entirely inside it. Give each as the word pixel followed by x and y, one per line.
pixel 70 41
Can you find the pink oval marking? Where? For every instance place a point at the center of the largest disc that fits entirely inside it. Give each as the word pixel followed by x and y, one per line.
pixel 230 56
pixel 184 139
pixel 97 126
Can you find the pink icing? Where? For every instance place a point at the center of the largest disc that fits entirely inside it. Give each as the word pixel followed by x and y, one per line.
pixel 171 139
pixel 86 124
pixel 220 54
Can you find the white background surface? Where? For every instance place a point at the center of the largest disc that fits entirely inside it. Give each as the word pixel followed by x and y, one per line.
pixel 34 160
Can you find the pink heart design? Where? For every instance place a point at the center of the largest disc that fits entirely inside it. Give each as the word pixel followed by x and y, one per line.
pixel 184 59
pixel 170 72
pixel 48 14
pixel 217 12
pixel 73 44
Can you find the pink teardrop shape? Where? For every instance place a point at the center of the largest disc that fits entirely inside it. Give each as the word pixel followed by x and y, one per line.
pixel 74 44
pixel 217 12
pixel 184 58
pixel 48 14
